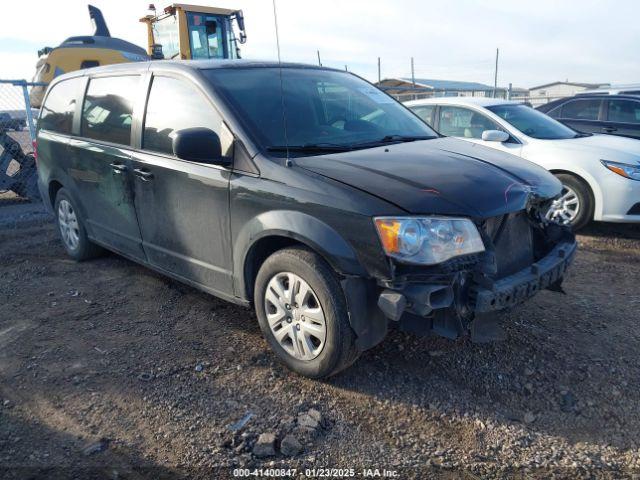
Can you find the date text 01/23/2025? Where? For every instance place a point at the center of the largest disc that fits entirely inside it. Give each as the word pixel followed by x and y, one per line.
pixel 315 472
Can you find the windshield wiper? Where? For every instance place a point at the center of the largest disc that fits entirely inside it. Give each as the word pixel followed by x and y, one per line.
pixel 310 147
pixel 392 139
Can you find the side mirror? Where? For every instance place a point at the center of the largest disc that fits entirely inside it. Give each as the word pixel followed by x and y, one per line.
pixel 495 136
pixel 240 20
pixel 200 145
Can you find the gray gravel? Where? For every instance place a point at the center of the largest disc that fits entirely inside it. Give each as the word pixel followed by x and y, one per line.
pixel 154 379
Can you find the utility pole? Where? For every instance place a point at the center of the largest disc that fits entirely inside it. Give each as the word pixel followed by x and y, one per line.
pixel 413 79
pixel 319 62
pixel 495 78
pixel 346 69
pixel 379 78
pixel 413 74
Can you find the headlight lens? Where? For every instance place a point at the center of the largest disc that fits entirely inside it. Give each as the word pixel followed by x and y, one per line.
pixel 428 240
pixel 623 169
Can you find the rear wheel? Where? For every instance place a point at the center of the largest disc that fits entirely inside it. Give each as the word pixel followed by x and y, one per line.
pixel 302 313
pixel 72 230
pixel 575 205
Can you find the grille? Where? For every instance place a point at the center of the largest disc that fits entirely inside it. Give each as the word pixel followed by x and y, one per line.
pixel 513 242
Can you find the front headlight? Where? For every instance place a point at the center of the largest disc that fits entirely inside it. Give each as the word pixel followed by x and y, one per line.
pixel 623 169
pixel 427 240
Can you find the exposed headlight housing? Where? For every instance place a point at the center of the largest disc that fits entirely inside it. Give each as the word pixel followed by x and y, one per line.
pixel 623 169
pixel 427 240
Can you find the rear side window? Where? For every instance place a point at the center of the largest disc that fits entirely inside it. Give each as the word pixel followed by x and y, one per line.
pixel 582 109
pixel 624 111
pixel 57 111
pixel 108 109
pixel 175 105
pixel 425 112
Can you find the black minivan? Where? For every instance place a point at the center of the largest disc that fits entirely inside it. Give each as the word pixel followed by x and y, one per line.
pixel 303 191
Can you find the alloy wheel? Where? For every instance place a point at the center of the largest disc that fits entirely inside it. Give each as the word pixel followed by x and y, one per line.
pixel 295 316
pixel 68 222
pixel 564 209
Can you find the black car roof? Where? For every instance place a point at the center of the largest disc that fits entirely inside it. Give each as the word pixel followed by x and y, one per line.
pixel 185 66
pixel 618 96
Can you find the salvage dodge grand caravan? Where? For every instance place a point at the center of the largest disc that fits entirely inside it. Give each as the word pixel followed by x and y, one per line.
pixel 303 191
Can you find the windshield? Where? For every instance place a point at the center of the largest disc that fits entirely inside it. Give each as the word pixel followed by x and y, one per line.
pixel 325 110
pixel 209 36
pixel 165 33
pixel 533 123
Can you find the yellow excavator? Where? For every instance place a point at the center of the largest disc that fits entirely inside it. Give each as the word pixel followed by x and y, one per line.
pixel 180 31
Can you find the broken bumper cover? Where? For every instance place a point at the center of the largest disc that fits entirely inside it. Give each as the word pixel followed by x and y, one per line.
pixel 511 290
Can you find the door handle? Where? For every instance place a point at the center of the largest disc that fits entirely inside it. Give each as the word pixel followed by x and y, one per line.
pixel 609 129
pixel 143 174
pixel 118 167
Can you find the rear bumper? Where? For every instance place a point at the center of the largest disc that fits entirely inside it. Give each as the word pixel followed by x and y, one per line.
pixel 524 284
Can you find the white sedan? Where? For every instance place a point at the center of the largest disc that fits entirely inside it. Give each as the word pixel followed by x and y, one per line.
pixel 600 173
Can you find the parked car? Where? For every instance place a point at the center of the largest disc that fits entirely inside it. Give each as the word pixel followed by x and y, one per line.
pixel 303 191
pixel 598 113
pixel 628 89
pixel 600 173
pixel 7 122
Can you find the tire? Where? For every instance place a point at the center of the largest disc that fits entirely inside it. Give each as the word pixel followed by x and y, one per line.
pixel 73 233
pixel 586 203
pixel 338 350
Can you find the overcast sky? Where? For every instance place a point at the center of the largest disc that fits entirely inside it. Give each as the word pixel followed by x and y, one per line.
pixel 540 42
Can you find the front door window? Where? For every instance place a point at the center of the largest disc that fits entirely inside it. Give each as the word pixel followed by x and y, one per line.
pixel 465 123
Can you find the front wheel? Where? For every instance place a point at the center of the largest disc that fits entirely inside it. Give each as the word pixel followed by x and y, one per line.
pixel 575 205
pixel 302 313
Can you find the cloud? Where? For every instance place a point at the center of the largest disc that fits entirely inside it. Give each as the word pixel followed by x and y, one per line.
pixel 539 42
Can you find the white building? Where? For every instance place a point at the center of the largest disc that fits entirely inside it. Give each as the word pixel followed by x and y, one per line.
pixel 550 91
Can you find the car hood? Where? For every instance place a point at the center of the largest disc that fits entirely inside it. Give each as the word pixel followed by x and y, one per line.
pixel 442 176
pixel 604 147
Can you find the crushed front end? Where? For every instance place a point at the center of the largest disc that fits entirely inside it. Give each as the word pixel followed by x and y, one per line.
pixel 523 254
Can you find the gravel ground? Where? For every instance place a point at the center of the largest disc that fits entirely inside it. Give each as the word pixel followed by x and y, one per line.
pixel 109 370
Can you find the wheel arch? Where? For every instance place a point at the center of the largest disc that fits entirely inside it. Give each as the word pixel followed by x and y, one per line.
pixel 274 230
pixel 589 181
pixel 54 187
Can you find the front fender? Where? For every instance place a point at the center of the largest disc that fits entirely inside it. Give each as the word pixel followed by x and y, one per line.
pixel 298 226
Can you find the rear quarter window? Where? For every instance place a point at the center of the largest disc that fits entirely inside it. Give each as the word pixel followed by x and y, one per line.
pixel 58 109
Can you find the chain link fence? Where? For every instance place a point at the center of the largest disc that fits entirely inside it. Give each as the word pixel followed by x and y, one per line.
pixel 18 179
pixel 405 94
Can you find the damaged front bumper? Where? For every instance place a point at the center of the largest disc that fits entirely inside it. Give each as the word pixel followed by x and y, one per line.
pixel 524 284
pixel 465 297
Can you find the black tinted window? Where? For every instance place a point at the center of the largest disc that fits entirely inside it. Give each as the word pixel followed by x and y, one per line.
pixel 108 108
pixel 624 111
pixel 175 105
pixel 57 111
pixel 312 106
pixel 582 109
